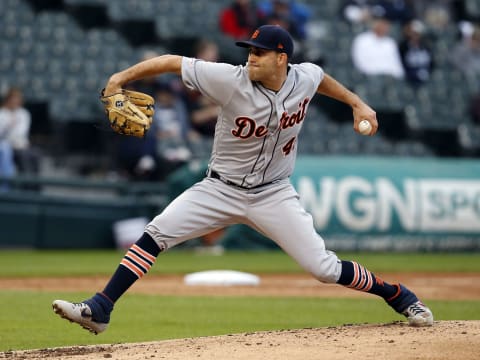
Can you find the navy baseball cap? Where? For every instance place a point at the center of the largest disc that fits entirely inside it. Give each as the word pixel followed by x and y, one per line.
pixel 270 37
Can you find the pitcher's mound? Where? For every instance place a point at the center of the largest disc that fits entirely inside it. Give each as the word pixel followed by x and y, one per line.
pixel 446 340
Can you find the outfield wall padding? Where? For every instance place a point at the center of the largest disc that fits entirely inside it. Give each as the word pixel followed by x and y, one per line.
pixel 356 203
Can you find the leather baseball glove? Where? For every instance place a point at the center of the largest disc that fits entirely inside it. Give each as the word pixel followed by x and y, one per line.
pixel 143 101
pixel 129 112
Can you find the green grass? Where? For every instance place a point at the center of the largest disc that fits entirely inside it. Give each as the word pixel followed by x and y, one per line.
pixel 27 322
pixel 67 263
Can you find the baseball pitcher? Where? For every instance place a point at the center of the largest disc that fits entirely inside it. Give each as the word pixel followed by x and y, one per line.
pixel 263 107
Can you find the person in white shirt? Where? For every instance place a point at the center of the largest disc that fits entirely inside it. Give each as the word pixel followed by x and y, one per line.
pixel 15 123
pixel 375 52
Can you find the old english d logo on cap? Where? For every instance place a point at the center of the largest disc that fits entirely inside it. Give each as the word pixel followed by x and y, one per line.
pixel 270 37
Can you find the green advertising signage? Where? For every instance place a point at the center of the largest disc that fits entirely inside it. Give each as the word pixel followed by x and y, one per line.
pixel 406 203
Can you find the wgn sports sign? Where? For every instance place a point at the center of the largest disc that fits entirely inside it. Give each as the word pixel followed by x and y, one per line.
pixel 378 203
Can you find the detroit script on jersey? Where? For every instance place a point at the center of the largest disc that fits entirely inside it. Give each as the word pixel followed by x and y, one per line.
pixel 257 128
pixel 246 127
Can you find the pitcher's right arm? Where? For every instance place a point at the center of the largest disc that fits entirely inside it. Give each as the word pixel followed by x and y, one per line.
pixel 151 67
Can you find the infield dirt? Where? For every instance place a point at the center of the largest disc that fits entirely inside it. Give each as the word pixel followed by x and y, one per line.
pixel 394 341
pixel 438 286
pixel 446 340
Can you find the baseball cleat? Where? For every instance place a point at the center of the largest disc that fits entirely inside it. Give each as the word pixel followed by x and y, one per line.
pixel 418 315
pixel 79 313
pixel 406 303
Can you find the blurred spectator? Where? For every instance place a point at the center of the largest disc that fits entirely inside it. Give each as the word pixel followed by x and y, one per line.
pixel 239 19
pixel 400 11
pixel 203 111
pixel 375 52
pixel 7 166
pixel 417 57
pixel 172 129
pixel 15 123
pixel 165 146
pixel 206 50
pixel 293 15
pixel 466 57
pixel 362 11
pixel 437 15
pixel 356 11
pixel 137 158
pixel 466 54
pixel 466 29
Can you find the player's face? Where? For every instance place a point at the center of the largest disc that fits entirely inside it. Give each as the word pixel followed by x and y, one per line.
pixel 263 64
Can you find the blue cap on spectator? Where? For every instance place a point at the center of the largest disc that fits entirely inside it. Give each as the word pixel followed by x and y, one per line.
pixel 270 37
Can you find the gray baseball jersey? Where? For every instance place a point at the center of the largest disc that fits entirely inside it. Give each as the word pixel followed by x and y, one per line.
pixel 253 156
pixel 257 129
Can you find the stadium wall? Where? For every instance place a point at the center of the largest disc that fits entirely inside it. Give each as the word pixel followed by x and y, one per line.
pixel 357 203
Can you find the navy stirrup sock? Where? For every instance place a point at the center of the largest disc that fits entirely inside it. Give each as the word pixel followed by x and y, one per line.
pixel 357 277
pixel 101 308
pixel 136 263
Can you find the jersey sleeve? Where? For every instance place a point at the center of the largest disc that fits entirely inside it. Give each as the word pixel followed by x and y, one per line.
pixel 314 72
pixel 214 80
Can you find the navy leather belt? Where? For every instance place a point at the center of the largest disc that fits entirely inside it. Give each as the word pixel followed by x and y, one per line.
pixel 215 175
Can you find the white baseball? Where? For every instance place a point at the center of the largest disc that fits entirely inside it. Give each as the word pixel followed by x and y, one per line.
pixel 364 127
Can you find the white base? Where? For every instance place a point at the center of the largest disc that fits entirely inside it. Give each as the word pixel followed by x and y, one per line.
pixel 221 278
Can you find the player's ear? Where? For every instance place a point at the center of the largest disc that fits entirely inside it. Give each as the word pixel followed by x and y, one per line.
pixel 282 58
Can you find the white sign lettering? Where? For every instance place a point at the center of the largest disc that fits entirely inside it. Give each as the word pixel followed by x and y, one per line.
pixel 419 205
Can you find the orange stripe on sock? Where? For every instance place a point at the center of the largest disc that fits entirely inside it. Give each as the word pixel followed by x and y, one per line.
pixel 132 268
pixel 355 276
pixel 144 253
pixel 106 297
pixel 399 290
pixel 369 282
pixel 142 262
pixel 363 278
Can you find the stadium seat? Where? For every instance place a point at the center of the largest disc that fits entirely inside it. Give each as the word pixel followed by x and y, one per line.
pixel 38 43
